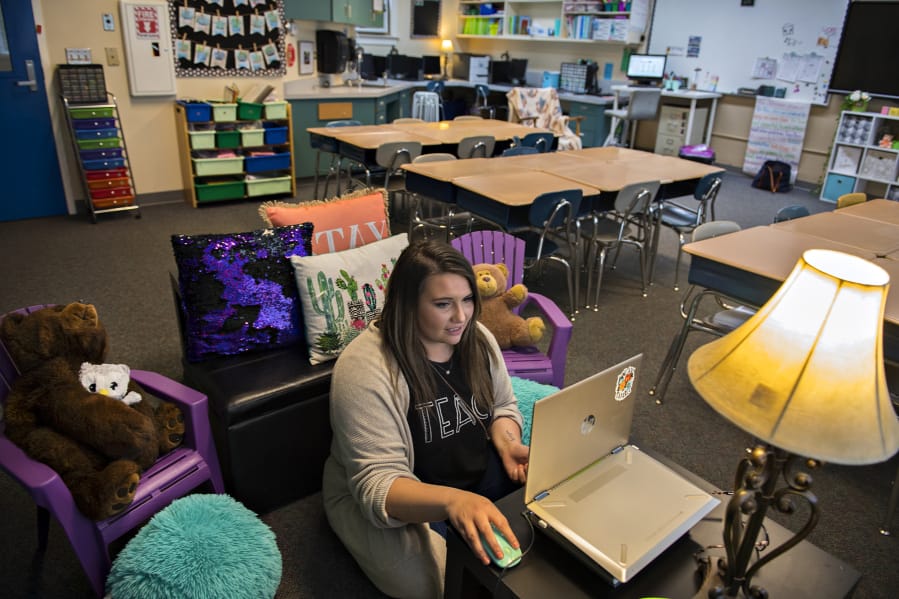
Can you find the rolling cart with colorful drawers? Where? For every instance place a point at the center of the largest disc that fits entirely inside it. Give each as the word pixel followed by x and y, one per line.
pixel 99 144
pixel 232 151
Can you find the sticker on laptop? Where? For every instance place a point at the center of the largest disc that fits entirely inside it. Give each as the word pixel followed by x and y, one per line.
pixel 625 383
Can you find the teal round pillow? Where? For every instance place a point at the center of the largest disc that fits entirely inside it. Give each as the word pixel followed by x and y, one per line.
pixel 200 546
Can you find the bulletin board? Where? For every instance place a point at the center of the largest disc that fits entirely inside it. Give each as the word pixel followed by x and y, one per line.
pixel 723 45
pixel 228 38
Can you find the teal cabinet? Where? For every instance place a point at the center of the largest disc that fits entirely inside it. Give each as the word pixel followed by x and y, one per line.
pixel 594 127
pixel 349 12
pixel 369 111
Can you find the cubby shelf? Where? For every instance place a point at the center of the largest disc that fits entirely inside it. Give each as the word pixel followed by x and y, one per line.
pixel 858 161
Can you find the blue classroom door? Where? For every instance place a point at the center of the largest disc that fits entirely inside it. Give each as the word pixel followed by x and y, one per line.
pixel 29 167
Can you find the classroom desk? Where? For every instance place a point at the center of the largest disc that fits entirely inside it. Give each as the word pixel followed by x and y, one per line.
pixel 873 235
pixel 435 179
pixel 548 570
pixel 692 95
pixel 452 132
pixel 750 265
pixel 879 209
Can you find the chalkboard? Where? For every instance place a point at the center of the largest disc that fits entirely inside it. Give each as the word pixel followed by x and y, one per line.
pixel 722 45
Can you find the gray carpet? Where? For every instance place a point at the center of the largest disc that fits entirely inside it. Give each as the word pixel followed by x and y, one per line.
pixel 122 266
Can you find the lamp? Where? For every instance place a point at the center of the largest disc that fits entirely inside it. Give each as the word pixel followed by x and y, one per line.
pixel 805 376
pixel 447 47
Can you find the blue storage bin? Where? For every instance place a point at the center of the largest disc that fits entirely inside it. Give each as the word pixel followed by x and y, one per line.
pixel 96 133
pixel 101 154
pixel 275 135
pixel 256 164
pixel 197 111
pixel 93 123
pixel 102 165
pixel 836 185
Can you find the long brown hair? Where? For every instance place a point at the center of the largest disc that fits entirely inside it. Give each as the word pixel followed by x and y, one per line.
pixel 399 322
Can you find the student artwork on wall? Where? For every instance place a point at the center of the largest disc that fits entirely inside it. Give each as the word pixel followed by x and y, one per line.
pixel 228 38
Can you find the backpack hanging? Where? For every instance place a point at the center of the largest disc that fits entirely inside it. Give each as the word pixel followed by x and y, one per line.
pixel 773 176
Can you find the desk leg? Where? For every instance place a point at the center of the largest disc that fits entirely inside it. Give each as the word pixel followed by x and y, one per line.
pixel 690 115
pixel 708 131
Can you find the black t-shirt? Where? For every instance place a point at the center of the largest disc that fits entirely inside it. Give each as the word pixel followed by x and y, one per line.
pixel 449 433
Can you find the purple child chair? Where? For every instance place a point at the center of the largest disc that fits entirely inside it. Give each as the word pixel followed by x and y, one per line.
pixel 173 475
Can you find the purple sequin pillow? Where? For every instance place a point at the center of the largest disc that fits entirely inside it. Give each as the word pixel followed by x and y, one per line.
pixel 238 290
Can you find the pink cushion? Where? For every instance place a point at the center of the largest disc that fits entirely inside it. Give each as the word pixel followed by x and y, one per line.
pixel 342 223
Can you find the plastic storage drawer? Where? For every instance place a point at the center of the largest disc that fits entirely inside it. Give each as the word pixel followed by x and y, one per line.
pixel 113 192
pixel 101 154
pixel 104 203
pixel 197 112
pixel 96 133
pixel 102 165
pixel 268 186
pixel 103 123
pixel 257 164
pixel 218 166
pixel 252 137
pixel 96 144
pixel 92 112
pixel 113 173
pixel 219 190
pixel 276 110
pixel 275 135
pixel 107 183
pixel 249 111
pixel 202 140
pixel 223 112
pixel 836 185
pixel 227 138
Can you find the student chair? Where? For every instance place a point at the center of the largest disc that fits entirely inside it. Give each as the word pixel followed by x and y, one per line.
pixel 520 151
pixel 642 105
pixel 174 475
pixel 790 212
pixel 543 142
pixel 683 219
pixel 448 221
pixel 631 223
pixel 540 107
pixel 330 146
pixel 482 104
pixel 476 146
pixel 548 367
pixel 729 314
pixel 850 199
pixel 426 106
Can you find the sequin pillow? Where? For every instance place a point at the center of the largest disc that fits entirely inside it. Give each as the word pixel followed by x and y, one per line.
pixel 238 291
pixel 340 223
pixel 342 292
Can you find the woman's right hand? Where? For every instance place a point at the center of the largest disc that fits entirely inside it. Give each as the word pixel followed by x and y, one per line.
pixel 474 516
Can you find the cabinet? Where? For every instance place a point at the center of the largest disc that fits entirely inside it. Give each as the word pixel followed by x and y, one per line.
pixel 595 124
pixel 235 151
pixel 864 157
pixel 99 144
pixel 555 20
pixel 349 12
pixel 672 131
pixel 317 112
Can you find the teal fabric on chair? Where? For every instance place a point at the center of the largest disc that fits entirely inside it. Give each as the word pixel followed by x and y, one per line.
pixel 528 392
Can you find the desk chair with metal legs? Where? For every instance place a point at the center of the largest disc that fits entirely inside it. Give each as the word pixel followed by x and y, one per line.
pixel 448 222
pixel 330 146
pixel 728 313
pixel 643 105
pixel 391 156
pixel 427 106
pixel 476 146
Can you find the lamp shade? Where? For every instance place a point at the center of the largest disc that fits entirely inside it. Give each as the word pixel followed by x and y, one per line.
pixel 446 45
pixel 805 373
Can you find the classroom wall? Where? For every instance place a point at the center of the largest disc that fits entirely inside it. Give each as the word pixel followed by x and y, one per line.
pixel 149 122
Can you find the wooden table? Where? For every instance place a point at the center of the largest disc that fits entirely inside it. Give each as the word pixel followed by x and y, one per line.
pixel 879 210
pixel 750 265
pixel 435 179
pixel 874 235
pixel 452 132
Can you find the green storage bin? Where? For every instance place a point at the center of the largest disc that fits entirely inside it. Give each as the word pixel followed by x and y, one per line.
pixel 249 111
pixel 223 112
pixel 252 137
pixel 99 144
pixel 229 138
pixel 218 166
pixel 268 186
pixel 276 110
pixel 219 190
pixel 91 113
pixel 202 140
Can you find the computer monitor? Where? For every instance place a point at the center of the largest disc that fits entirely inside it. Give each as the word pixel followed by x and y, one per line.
pixel 400 66
pixel 646 69
pixel 373 67
pixel 431 65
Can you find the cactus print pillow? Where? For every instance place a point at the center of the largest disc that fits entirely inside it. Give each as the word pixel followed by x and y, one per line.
pixel 238 292
pixel 342 292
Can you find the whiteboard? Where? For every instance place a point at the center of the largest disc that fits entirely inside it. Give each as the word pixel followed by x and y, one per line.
pixel 789 44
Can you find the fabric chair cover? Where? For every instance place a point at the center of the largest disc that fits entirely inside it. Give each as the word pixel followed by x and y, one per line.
pixel 540 107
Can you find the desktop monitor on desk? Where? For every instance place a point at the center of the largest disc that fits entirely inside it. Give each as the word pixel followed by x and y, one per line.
pixel 373 67
pixel 400 66
pixel 646 69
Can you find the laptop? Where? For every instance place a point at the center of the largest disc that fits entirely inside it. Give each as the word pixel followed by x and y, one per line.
pixel 609 503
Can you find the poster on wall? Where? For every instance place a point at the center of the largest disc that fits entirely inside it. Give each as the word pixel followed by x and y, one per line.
pixel 777 131
pixel 228 38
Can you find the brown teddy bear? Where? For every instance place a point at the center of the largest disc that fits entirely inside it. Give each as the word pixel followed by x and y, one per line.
pixel 97 444
pixel 497 304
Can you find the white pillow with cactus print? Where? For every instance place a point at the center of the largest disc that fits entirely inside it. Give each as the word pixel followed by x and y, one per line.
pixel 342 292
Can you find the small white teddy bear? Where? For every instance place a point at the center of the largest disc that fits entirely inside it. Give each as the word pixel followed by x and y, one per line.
pixel 108 379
